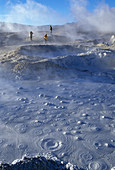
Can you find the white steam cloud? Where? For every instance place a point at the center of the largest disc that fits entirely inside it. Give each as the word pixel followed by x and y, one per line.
pixel 101 19
pixel 32 13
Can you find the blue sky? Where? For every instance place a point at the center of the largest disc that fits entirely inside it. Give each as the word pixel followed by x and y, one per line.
pixel 43 12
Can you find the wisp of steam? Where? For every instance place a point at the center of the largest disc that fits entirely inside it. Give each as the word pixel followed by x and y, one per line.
pixel 101 19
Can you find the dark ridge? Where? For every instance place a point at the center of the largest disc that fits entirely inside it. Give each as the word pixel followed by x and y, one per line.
pixel 37 163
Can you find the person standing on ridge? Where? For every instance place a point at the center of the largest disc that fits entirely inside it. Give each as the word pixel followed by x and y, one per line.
pixel 50 28
pixel 31 34
pixel 45 38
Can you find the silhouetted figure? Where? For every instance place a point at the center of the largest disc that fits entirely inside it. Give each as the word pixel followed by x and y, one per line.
pixel 31 34
pixel 50 28
pixel 45 38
